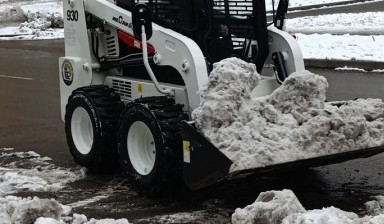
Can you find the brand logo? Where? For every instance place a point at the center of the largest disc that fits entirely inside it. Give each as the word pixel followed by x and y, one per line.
pixel 121 21
pixel 67 72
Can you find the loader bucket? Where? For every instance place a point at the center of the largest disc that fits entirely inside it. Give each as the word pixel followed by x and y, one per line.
pixel 205 165
pixel 311 162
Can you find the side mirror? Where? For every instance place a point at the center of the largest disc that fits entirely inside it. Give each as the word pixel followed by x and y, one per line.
pixel 141 15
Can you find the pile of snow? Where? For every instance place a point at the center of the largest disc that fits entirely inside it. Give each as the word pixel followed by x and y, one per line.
pixel 43 16
pixel 17 210
pixel 39 20
pixel 269 207
pixel 292 123
pixel 27 210
pixel 10 14
pixel 375 207
pixel 368 23
pixel 22 171
pixel 283 207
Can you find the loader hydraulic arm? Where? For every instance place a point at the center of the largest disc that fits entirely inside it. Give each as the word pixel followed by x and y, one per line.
pixel 125 21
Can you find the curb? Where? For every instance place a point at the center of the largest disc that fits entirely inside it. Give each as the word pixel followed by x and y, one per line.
pixel 332 64
pixel 308 7
pixel 327 4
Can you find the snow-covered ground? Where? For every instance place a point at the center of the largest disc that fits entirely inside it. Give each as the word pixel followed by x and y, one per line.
pixel 36 174
pixel 368 23
pixel 317 39
pixel 342 47
pixel 29 172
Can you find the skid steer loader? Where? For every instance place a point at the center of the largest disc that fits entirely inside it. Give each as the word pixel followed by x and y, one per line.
pixel 132 72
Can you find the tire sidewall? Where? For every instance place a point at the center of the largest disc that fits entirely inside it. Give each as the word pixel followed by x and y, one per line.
pixel 156 176
pixel 93 157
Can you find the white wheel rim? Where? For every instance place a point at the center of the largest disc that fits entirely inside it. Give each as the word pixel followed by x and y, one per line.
pixel 82 130
pixel 141 148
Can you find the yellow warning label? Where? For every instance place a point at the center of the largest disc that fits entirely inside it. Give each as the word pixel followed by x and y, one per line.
pixel 186 145
pixel 140 87
pixel 187 151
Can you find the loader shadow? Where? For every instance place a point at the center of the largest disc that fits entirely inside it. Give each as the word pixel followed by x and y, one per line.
pixel 221 198
pixel 346 186
pixel 308 185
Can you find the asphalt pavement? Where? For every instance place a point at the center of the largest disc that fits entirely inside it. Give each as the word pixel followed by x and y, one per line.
pixel 29 98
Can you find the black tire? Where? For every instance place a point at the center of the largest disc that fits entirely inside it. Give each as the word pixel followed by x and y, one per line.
pixel 162 118
pixel 91 124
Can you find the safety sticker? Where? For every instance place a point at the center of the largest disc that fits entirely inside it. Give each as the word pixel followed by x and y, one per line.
pixel 140 87
pixel 187 151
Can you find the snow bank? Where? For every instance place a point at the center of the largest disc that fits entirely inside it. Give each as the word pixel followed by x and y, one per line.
pixel 292 123
pixel 363 23
pixel 16 210
pixel 342 47
pixel 43 16
pixel 298 3
pixel 282 207
pixel 39 20
pixel 10 14
pixel 347 45
pixel 51 12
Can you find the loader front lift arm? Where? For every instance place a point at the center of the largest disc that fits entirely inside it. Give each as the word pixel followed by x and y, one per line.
pixel 260 21
pixel 281 14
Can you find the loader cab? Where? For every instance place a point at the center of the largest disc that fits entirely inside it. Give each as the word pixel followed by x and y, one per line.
pixel 198 20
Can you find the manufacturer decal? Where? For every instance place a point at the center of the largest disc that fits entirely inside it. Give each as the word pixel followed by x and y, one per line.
pixel 67 72
pixel 121 21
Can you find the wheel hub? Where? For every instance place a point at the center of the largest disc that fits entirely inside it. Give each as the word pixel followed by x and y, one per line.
pixel 82 130
pixel 141 148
